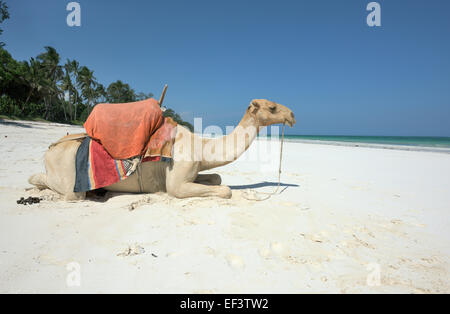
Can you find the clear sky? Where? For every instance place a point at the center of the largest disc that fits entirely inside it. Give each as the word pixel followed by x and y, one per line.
pixel 319 58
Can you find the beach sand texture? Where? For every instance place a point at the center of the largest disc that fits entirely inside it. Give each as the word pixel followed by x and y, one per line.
pixel 347 217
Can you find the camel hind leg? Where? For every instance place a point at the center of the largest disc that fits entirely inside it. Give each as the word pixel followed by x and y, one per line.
pixel 60 171
pixel 40 181
pixel 60 166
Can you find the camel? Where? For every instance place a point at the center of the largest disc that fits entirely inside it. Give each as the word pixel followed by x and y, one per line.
pixel 180 178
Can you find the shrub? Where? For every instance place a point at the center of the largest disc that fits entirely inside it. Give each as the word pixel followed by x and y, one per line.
pixel 9 107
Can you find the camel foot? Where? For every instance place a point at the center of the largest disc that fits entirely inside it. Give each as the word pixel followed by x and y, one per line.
pixel 225 192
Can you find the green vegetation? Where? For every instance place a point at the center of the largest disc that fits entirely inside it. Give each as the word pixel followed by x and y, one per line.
pixel 44 89
pixel 4 15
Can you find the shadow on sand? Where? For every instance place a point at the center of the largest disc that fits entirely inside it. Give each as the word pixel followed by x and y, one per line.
pixel 261 185
pixel 14 123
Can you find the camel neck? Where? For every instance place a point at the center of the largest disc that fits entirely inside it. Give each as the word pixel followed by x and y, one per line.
pixel 222 151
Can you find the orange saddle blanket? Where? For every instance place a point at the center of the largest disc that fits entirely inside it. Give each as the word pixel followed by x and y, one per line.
pixel 132 129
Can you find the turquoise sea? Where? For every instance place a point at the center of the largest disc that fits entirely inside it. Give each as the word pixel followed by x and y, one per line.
pixel 419 141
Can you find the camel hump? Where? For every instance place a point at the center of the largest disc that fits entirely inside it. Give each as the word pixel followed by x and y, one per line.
pixel 70 137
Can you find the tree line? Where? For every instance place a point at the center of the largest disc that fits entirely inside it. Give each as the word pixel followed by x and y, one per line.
pixel 45 88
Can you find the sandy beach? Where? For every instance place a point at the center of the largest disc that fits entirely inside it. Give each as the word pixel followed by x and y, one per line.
pixel 348 220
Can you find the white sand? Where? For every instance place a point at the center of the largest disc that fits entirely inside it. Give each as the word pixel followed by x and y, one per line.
pixel 347 211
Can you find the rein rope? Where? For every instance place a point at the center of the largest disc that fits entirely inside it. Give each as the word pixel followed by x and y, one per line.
pixel 275 192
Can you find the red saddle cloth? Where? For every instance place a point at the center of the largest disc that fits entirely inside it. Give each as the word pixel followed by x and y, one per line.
pixel 132 129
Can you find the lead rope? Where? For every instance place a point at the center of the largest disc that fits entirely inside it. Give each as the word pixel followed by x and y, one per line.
pixel 268 195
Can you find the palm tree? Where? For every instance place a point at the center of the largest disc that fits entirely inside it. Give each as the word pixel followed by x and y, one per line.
pixel 34 78
pixel 53 74
pixel 67 87
pixel 50 62
pixel 87 83
pixel 50 93
pixel 72 68
pixel 100 93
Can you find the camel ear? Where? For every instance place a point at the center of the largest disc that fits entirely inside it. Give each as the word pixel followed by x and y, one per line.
pixel 254 107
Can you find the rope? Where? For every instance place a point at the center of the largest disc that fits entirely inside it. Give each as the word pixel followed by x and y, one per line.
pixel 269 195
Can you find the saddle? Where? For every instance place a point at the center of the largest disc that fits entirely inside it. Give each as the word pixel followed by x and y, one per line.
pixel 129 130
pixel 119 137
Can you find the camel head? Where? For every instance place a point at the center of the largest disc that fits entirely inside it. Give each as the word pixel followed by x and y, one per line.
pixel 268 112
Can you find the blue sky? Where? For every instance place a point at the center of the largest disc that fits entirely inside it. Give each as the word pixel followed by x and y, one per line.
pixel 319 58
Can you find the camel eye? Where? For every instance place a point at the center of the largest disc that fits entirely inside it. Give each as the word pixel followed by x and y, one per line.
pixel 273 109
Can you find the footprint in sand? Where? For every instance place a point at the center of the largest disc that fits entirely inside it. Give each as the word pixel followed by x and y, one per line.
pixel 363 243
pixel 143 201
pixel 211 251
pixel 317 238
pixel 175 254
pixel 235 262
pixel 132 250
pixel 276 248
pixel 264 252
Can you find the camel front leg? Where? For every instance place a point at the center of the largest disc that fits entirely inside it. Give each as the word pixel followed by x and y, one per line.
pixel 209 179
pixel 189 189
pixel 180 182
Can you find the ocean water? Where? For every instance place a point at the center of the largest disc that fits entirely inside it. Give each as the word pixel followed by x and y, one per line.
pixel 416 141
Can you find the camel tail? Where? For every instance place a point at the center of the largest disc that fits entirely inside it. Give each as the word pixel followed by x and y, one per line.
pixel 39 180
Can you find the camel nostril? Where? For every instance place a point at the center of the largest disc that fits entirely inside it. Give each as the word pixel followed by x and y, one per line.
pixel 292 115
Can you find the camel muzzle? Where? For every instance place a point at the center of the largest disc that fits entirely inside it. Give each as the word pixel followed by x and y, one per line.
pixel 291 120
